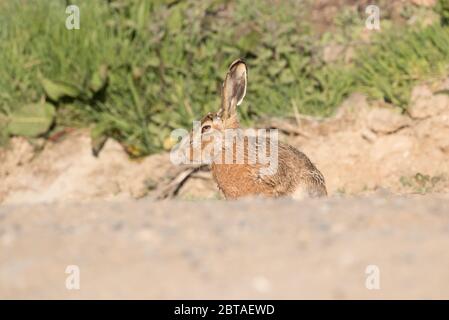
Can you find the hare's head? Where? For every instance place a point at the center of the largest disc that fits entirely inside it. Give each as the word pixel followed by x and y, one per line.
pixel 213 125
pixel 232 93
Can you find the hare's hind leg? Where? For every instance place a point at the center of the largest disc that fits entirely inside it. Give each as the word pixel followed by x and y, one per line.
pixel 300 193
pixel 304 191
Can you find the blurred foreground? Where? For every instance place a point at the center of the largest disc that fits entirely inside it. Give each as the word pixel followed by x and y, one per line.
pixel 229 250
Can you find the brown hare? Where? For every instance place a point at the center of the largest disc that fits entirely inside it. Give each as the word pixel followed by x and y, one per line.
pixel 294 174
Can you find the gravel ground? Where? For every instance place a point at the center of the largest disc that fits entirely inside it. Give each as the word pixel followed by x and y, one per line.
pixel 230 250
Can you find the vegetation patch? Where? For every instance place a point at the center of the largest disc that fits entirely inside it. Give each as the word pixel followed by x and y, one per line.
pixel 138 69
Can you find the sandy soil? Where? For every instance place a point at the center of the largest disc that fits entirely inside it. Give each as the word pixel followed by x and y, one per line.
pixel 388 178
pixel 364 148
pixel 216 249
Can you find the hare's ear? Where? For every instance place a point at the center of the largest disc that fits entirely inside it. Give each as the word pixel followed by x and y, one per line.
pixel 234 88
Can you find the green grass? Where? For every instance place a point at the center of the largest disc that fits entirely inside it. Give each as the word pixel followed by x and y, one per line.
pixel 138 69
pixel 389 69
pixel 421 183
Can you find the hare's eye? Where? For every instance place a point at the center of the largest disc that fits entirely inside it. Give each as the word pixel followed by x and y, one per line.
pixel 205 128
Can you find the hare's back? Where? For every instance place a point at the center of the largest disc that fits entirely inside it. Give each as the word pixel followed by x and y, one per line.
pixel 306 179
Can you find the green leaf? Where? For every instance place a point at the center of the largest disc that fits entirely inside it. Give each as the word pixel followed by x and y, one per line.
pixel 31 120
pixel 175 20
pixel 153 61
pixel 249 41
pixel 142 14
pixel 99 79
pixel 55 90
pixel 276 67
pixel 286 77
pixel 3 130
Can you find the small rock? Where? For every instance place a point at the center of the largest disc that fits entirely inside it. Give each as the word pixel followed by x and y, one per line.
pixel 440 103
pixel 386 120
pixel 443 85
pixel 352 106
pixel 435 131
pixel 424 103
pixel 419 102
pixel 112 148
pixel 391 146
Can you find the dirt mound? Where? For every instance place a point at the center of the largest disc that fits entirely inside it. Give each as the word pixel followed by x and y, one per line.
pixel 67 170
pixel 364 148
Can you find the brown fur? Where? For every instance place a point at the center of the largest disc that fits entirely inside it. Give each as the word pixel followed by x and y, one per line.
pixel 294 170
pixel 296 174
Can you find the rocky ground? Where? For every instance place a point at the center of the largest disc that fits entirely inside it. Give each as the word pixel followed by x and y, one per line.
pixel 363 148
pixel 387 173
